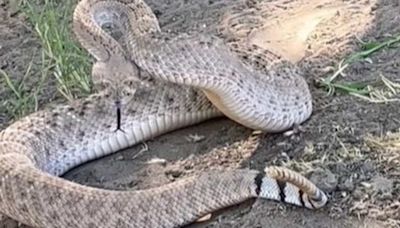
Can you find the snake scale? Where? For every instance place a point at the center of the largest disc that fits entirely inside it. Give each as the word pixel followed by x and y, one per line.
pixel 157 83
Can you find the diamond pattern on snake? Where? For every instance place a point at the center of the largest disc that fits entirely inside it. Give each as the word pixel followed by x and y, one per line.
pixel 154 82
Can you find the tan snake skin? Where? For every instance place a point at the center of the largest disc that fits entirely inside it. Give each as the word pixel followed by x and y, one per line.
pixel 40 147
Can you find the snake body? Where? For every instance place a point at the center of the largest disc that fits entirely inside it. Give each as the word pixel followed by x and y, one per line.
pixel 158 83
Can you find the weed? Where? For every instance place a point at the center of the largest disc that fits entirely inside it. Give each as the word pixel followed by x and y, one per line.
pixel 68 63
pixel 22 101
pixel 365 90
pixel 61 58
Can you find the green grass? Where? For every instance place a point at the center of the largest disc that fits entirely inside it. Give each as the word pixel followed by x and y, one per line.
pixel 68 63
pixel 20 101
pixel 62 58
pixel 366 90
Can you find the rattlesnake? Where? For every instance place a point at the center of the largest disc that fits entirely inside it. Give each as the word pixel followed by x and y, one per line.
pixel 154 87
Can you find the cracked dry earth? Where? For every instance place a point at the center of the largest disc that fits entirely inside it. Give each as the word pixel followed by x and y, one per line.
pixel 333 148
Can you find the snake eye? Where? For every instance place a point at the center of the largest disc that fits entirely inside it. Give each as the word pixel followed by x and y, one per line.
pixel 128 82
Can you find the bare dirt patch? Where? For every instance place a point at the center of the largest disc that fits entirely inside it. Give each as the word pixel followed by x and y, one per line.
pixel 335 142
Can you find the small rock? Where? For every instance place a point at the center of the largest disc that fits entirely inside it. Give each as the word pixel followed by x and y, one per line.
pixel 358 193
pixel 347 185
pixel 119 158
pixel 366 185
pixel 173 174
pixel 160 161
pixel 367 167
pixel 382 185
pixel 325 180
pixel 195 138
pixel 340 167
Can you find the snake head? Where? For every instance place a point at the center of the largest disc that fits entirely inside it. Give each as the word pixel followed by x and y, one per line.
pixel 118 79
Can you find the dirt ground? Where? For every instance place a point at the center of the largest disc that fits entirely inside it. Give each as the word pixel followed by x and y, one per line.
pixel 332 147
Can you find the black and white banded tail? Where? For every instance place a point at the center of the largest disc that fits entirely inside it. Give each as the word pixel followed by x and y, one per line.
pixel 287 186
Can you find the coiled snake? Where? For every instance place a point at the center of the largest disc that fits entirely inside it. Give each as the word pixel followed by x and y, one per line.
pixel 157 83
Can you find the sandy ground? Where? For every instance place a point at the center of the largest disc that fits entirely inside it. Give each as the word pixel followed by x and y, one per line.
pixel 332 149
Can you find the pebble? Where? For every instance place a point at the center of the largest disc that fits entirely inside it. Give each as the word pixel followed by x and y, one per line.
pixel 325 180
